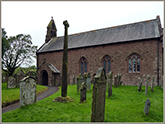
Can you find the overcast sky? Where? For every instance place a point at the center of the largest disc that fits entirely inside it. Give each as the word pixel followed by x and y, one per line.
pixel 33 17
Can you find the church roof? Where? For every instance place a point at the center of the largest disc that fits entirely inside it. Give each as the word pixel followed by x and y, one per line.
pixel 53 69
pixel 125 33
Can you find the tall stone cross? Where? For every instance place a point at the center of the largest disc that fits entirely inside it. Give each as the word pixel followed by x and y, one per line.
pixel 65 61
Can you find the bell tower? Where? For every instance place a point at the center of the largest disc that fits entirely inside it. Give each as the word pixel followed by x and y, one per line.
pixel 51 30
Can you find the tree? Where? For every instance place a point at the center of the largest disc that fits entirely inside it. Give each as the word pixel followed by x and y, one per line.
pixel 20 52
pixel 5 44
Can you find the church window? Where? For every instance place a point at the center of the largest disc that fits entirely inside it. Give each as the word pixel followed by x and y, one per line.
pixel 107 63
pixel 134 63
pixel 83 65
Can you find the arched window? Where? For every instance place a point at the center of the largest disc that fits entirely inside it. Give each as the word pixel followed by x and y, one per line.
pixel 107 63
pixel 83 65
pixel 134 63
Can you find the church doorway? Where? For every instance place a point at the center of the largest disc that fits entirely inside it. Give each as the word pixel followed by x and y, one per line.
pixel 44 78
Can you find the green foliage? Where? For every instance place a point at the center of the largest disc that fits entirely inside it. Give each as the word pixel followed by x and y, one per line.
pixel 125 105
pixel 32 69
pixel 9 95
pixel 5 44
pixel 19 51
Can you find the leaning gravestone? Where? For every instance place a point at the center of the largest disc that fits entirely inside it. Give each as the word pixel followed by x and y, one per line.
pixel 83 88
pixel 98 98
pixel 11 83
pixel 27 91
pixel 152 84
pixel 80 80
pixel 110 76
pixel 146 91
pixel 139 84
pixel 147 106
pixel 116 82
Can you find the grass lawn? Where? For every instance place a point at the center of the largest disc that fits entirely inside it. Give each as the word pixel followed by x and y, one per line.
pixel 125 105
pixel 9 95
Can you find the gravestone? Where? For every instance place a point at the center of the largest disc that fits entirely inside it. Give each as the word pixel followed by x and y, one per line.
pixel 146 91
pixel 119 79
pixel 110 76
pixel 80 80
pixel 98 98
pixel 139 84
pixel 147 106
pixel 152 84
pixel 142 79
pixel 83 88
pixel 73 79
pixel 88 81
pixel 27 91
pixel 11 83
pixel 20 77
pixel 29 73
pixel 116 82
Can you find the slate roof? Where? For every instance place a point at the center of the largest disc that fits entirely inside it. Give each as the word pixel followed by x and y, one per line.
pixel 124 33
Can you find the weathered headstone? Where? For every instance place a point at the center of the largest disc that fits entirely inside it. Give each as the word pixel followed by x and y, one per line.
pixel 83 88
pixel 139 84
pixel 88 81
pixel 29 73
pixel 110 76
pixel 146 91
pixel 119 79
pixel 147 106
pixel 116 81
pixel 152 84
pixel 27 91
pixel 73 79
pixel 11 83
pixel 80 80
pixel 98 98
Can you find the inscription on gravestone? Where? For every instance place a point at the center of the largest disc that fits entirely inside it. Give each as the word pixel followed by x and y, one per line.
pixel 11 82
pixel 98 98
pixel 27 91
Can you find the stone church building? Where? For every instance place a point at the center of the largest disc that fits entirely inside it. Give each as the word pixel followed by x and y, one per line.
pixel 132 50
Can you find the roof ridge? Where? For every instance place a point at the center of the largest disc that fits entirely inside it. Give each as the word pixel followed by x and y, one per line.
pixel 111 27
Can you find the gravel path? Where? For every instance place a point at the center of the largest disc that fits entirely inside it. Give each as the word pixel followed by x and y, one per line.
pixel 51 90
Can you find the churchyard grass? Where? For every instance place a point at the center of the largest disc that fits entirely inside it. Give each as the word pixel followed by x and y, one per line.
pixel 125 105
pixel 13 94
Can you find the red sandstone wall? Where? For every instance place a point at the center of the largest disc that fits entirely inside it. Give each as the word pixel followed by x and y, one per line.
pixel 118 53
